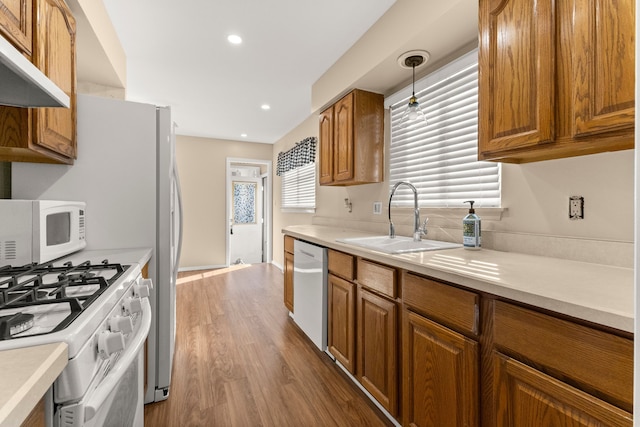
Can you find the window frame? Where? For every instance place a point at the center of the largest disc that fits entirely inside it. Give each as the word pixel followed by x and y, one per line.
pixel 411 138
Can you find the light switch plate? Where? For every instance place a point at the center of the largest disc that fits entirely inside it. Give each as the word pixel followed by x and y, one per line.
pixel 576 207
pixel 377 208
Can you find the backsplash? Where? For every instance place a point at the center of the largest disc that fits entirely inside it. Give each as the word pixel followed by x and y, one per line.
pixel 614 253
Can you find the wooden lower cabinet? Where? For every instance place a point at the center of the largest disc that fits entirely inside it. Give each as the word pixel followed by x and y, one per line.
pixel 527 397
pixel 342 321
pixel 377 348
pixel 440 375
pixel 288 281
pixel 36 417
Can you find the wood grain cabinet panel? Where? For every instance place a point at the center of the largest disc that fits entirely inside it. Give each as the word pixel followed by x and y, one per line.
pixel 325 169
pixel 288 272
pixel 16 23
pixel 341 264
pixel 342 321
pixel 46 134
pixel 526 397
pixel 352 140
pixel 377 348
pixel 603 66
pixel 556 78
pixel 517 95
pixel 448 305
pixel 440 375
pixel 591 359
pixel 378 277
pixel 288 281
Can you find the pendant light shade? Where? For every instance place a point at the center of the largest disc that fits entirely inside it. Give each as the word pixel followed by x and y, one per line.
pixel 413 114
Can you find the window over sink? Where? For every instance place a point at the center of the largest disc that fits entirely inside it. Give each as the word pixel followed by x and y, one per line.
pixel 439 155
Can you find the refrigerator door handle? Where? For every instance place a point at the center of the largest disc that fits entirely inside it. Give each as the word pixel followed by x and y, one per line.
pixel 176 183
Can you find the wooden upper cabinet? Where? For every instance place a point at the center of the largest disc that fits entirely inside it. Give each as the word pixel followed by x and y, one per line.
pixel 326 147
pixel 603 66
pixel 556 78
pixel 16 23
pixel 46 134
pixel 55 128
pixel 352 140
pixel 517 79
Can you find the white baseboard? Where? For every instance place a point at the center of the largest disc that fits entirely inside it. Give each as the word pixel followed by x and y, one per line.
pixel 276 264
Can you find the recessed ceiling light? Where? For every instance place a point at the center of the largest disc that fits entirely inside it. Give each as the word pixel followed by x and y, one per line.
pixel 265 107
pixel 234 39
pixel 244 135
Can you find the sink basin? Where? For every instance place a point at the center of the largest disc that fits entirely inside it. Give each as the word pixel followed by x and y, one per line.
pixel 398 245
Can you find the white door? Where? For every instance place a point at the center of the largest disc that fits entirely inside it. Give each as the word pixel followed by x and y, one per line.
pixel 246 215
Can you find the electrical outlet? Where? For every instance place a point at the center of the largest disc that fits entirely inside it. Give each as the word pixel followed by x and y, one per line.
pixel 377 208
pixel 576 207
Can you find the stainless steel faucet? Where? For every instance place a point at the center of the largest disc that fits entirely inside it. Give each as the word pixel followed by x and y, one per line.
pixel 418 230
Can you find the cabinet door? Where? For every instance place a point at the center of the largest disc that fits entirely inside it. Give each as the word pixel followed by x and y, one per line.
pixel 603 66
pixel 16 23
pixel 288 281
pixel 326 146
pixel 342 321
pixel 54 54
pixel 526 397
pixel 516 82
pixel 440 375
pixel 343 139
pixel 377 348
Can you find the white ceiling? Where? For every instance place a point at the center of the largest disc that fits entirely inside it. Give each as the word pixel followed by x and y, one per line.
pixel 178 55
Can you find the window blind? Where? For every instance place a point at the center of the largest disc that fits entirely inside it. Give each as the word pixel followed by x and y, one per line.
pixel 439 157
pixel 299 188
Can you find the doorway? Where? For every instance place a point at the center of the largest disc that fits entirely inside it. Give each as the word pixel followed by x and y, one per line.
pixel 248 207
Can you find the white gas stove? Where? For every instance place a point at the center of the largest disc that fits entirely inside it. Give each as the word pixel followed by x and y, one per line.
pixel 99 306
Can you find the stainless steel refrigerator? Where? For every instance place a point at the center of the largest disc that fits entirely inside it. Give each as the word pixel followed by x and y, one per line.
pixel 126 173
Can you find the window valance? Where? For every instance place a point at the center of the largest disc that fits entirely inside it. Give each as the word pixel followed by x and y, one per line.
pixel 303 153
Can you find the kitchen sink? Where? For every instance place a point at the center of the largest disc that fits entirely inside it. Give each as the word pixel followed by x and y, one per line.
pixel 398 245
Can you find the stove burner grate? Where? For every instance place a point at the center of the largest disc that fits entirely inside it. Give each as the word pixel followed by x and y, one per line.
pixel 38 284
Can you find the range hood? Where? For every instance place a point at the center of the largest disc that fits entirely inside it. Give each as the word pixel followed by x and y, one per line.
pixel 22 84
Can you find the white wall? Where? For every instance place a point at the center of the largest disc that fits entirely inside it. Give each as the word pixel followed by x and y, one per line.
pixel 535 197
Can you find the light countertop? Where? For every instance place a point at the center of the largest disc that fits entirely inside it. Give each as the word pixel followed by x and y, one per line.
pixel 593 292
pixel 27 373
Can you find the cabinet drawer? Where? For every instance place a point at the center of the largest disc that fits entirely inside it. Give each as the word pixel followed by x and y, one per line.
pixel 288 244
pixel 378 277
pixel 598 362
pixel 446 304
pixel 341 264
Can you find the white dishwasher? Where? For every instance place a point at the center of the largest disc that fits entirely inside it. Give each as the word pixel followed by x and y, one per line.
pixel 310 291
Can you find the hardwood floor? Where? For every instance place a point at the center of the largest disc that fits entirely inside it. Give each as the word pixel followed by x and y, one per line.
pixel 241 361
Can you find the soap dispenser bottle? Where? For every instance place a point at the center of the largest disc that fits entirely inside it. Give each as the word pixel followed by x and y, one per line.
pixel 471 235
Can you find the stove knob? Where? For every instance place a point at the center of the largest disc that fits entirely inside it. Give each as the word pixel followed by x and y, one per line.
pixel 132 305
pixel 121 324
pixel 109 343
pixel 141 290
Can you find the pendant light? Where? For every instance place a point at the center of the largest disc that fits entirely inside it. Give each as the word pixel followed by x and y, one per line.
pixel 413 114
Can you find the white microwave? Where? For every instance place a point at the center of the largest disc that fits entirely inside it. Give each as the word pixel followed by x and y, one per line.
pixel 39 230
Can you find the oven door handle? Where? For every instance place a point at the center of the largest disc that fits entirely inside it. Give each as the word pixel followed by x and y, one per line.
pixel 108 385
